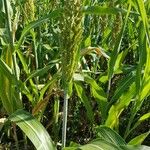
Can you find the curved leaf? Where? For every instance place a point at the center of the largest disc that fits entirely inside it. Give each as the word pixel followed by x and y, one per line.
pixel 139 139
pixel 110 135
pixel 99 144
pixel 33 129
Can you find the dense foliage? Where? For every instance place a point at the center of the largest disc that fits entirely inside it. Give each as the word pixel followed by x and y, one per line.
pixel 74 71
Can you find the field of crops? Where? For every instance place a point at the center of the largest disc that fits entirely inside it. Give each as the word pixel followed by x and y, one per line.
pixel 75 74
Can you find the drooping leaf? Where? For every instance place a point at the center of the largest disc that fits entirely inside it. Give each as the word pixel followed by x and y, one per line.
pixel 33 130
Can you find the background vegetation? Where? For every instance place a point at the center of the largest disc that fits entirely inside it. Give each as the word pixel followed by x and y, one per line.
pixel 73 71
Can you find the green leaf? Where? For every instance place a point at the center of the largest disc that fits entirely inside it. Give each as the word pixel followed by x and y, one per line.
pixel 23 61
pixel 107 140
pixel 99 144
pixel 109 135
pixel 100 10
pixel 50 84
pixel 141 119
pixel 82 95
pixel 93 84
pixel 144 117
pixel 54 14
pixel 145 90
pixel 33 129
pixel 139 139
pixel 8 88
pixel 99 95
pixel 87 41
pixel 39 72
pixel 117 46
pixel 6 69
pixel 118 107
pixel 122 87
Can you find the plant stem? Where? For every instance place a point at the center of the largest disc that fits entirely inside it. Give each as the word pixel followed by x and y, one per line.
pixel 108 89
pixel 15 136
pixel 65 113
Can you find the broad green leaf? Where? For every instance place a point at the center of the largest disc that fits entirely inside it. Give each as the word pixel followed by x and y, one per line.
pixel 109 135
pixel 139 139
pixel 107 140
pixel 99 144
pixel 93 84
pixel 33 129
pixel 103 145
pixel 126 98
pixel 118 107
pixel 82 95
pixel 99 94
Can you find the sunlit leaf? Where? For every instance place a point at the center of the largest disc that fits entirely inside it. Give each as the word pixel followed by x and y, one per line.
pixel 139 139
pixel 33 129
